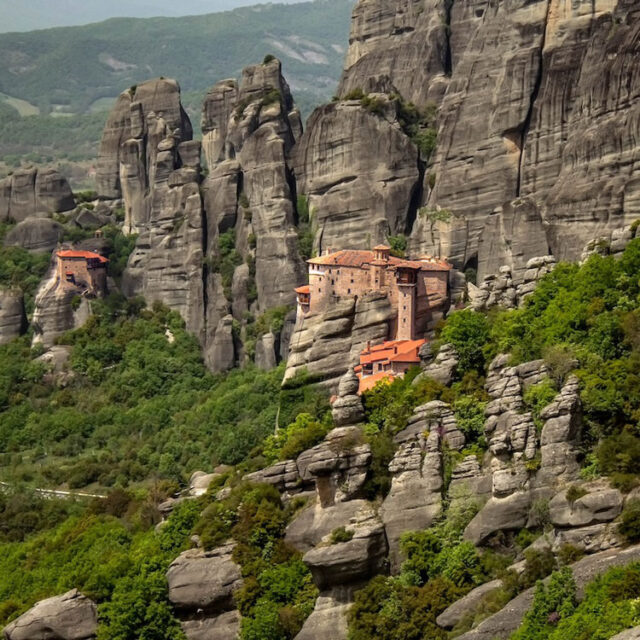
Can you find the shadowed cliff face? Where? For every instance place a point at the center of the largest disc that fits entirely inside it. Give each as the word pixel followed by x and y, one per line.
pixel 536 102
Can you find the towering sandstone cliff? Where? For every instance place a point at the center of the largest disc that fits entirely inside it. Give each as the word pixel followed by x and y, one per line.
pixel 536 104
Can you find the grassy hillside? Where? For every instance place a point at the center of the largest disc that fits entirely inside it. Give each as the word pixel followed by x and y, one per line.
pixel 73 69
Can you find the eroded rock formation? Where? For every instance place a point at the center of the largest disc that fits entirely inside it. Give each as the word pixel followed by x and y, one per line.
pixel 34 192
pixel 13 320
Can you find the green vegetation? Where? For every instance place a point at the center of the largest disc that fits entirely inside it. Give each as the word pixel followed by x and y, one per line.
pixel 305 231
pixel 537 397
pixel 20 269
pixel 137 407
pixel 341 535
pixel 115 558
pixel 302 434
pixel 398 246
pixel 609 606
pixel 278 593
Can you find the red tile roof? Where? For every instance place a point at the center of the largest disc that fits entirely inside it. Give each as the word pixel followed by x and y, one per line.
pixel 393 351
pixel 303 289
pixel 369 382
pixel 356 258
pixel 69 253
pixel 381 247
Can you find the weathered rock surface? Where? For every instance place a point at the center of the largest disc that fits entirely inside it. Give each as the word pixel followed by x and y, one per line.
pixel 225 626
pixel 359 171
pixel 415 498
pixel 71 616
pixel 283 475
pixel 630 634
pixel 35 234
pixel 601 503
pixel 401 45
pixel 508 619
pixel 347 408
pixel 30 192
pixel 13 321
pixel 358 559
pixel 508 130
pixel 142 118
pixel 327 344
pixel 329 617
pixel 450 617
pixel 204 580
pixel 54 313
pixel 442 368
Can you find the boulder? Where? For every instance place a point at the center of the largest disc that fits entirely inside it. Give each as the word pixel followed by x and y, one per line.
pixel 358 559
pixel 347 408
pixel 13 320
pixel 329 616
pixel 601 503
pixel 204 580
pixel 200 481
pixel 70 616
pixel 225 626
pixel 35 234
pixel 266 352
pixel 629 634
pixel 499 514
pixel 453 614
pixel 442 368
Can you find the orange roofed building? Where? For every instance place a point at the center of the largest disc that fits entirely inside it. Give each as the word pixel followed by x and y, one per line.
pixel 85 270
pixel 415 288
pixel 386 361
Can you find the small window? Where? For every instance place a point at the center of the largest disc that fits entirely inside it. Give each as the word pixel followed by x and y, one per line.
pixel 333 281
pixel 404 306
pixel 404 320
pixel 348 290
pixel 319 290
pixel 351 280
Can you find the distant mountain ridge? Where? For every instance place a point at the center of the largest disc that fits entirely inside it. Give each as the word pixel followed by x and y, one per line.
pixel 44 14
pixel 73 69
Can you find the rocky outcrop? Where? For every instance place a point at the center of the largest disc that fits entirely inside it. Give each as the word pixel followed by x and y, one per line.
pixel 329 617
pixel 248 131
pixel 13 320
pixel 401 45
pixel 502 624
pixel 453 614
pixel 325 344
pixel 55 310
pixel 359 172
pixel 144 116
pixel 414 501
pixel 442 368
pixel 504 291
pixel 630 634
pixel 201 588
pixel 35 234
pixel 71 616
pixel 347 408
pixel 282 475
pixel 34 192
pixel 336 563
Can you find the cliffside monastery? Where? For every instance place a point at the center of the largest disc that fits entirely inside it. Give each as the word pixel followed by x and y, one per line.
pixel 82 270
pixel 415 288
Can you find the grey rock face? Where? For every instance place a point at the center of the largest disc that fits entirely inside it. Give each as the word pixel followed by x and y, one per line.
pixel 567 153
pixel 54 314
pixel 283 475
pixel 30 192
pixel 71 616
pixel 329 617
pixel 357 559
pixel 630 634
pixel 600 504
pixel 142 118
pixel 327 344
pixel 442 368
pixel 204 580
pixel 13 321
pixel 415 498
pixel 249 130
pixel 359 171
pixel 347 409
pixel 266 351
pixel 450 617
pixel 35 234
pixel 398 45
pixel 225 626
pixel 338 465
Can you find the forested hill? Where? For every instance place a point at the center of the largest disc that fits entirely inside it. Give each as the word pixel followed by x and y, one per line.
pixel 72 69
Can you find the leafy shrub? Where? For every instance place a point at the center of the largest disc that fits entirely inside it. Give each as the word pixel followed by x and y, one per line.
pixel 469 414
pixel 398 246
pixel 468 332
pixel 341 535
pixel 268 58
pixel 300 435
pixel 537 397
pixel 575 492
pixel 630 521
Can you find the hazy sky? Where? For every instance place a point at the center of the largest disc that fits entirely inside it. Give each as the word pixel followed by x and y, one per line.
pixel 25 15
